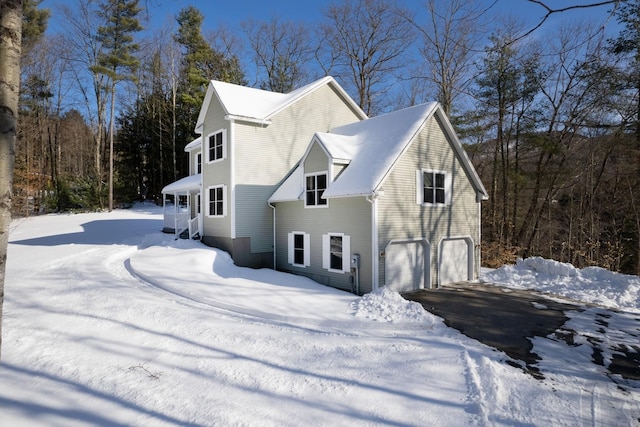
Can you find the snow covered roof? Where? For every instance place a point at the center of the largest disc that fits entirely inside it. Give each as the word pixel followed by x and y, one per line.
pixel 191 182
pixel 196 143
pixel 292 187
pixel 251 104
pixel 370 148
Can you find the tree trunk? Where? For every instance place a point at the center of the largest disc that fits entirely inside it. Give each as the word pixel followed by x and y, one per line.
pixel 111 126
pixel 10 45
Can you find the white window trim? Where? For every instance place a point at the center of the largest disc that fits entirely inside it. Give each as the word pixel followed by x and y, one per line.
pixel 198 163
pixel 207 146
pixel 448 186
pixel 346 252
pixel 224 201
pixel 316 206
pixel 306 248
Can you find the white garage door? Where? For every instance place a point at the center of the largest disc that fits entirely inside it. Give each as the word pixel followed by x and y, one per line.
pixel 404 266
pixel 454 261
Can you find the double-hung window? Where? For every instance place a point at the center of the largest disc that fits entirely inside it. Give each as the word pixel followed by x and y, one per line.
pixel 216 201
pixel 336 252
pixel 299 249
pixel 199 163
pixel 216 149
pixel 315 184
pixel 433 187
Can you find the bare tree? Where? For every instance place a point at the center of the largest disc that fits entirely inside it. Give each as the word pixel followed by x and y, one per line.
pixel 450 40
pixel 10 48
pixel 85 51
pixel 282 50
pixel 363 44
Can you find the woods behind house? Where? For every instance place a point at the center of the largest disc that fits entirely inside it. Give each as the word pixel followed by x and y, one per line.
pixel 550 118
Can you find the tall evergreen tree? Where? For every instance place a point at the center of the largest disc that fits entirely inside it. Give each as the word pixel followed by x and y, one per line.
pixel 34 23
pixel 117 61
pixel 506 86
pixel 200 64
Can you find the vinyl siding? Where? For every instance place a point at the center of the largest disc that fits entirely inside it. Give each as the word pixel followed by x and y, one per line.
pixel 193 161
pixel 266 154
pixel 217 173
pixel 401 218
pixel 351 216
pixel 316 160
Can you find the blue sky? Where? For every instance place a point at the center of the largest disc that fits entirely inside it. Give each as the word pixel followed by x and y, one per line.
pixel 235 11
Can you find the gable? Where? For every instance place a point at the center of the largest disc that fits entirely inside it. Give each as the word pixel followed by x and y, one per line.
pixel 259 106
pixel 376 145
pixel 316 159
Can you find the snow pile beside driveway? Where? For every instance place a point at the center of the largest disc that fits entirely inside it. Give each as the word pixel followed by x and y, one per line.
pixel 388 306
pixel 592 284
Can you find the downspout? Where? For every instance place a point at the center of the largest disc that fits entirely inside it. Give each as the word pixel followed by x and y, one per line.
pixel 375 261
pixel 175 216
pixel 274 233
pixel 479 244
pixel 232 178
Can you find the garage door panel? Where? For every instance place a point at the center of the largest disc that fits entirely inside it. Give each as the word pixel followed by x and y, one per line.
pixel 405 266
pixel 454 261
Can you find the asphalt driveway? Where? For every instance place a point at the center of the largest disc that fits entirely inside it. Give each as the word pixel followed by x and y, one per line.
pixel 507 319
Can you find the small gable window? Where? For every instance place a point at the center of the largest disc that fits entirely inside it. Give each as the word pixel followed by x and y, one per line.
pixel 336 252
pixel 216 196
pixel 298 248
pixel 315 184
pixel 433 187
pixel 216 147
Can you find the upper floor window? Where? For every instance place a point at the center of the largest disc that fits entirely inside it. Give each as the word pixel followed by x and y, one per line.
pixel 216 147
pixel 199 163
pixel 216 196
pixel 434 187
pixel 315 184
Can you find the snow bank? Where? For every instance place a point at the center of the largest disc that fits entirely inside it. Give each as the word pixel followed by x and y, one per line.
pixel 592 284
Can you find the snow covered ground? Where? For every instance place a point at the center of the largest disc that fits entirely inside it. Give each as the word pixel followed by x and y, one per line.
pixel 109 322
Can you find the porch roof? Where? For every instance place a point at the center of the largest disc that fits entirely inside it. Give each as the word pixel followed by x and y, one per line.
pixel 184 185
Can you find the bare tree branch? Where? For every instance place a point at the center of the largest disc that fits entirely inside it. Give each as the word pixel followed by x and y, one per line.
pixel 551 11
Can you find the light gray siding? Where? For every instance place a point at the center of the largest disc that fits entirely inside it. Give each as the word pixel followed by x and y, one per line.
pixel 316 160
pixel 258 215
pixel 402 218
pixel 193 160
pixel 267 153
pixel 216 173
pixel 351 216
pixel 264 155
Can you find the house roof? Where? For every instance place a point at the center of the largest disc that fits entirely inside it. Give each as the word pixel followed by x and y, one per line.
pixel 196 143
pixel 257 105
pixel 183 185
pixel 371 148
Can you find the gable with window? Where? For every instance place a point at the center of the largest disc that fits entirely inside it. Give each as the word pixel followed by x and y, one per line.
pixel 216 146
pixel 433 188
pixel 216 201
pixel 315 184
pixel 336 252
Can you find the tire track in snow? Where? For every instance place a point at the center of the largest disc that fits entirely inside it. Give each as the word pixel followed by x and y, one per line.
pixel 476 392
